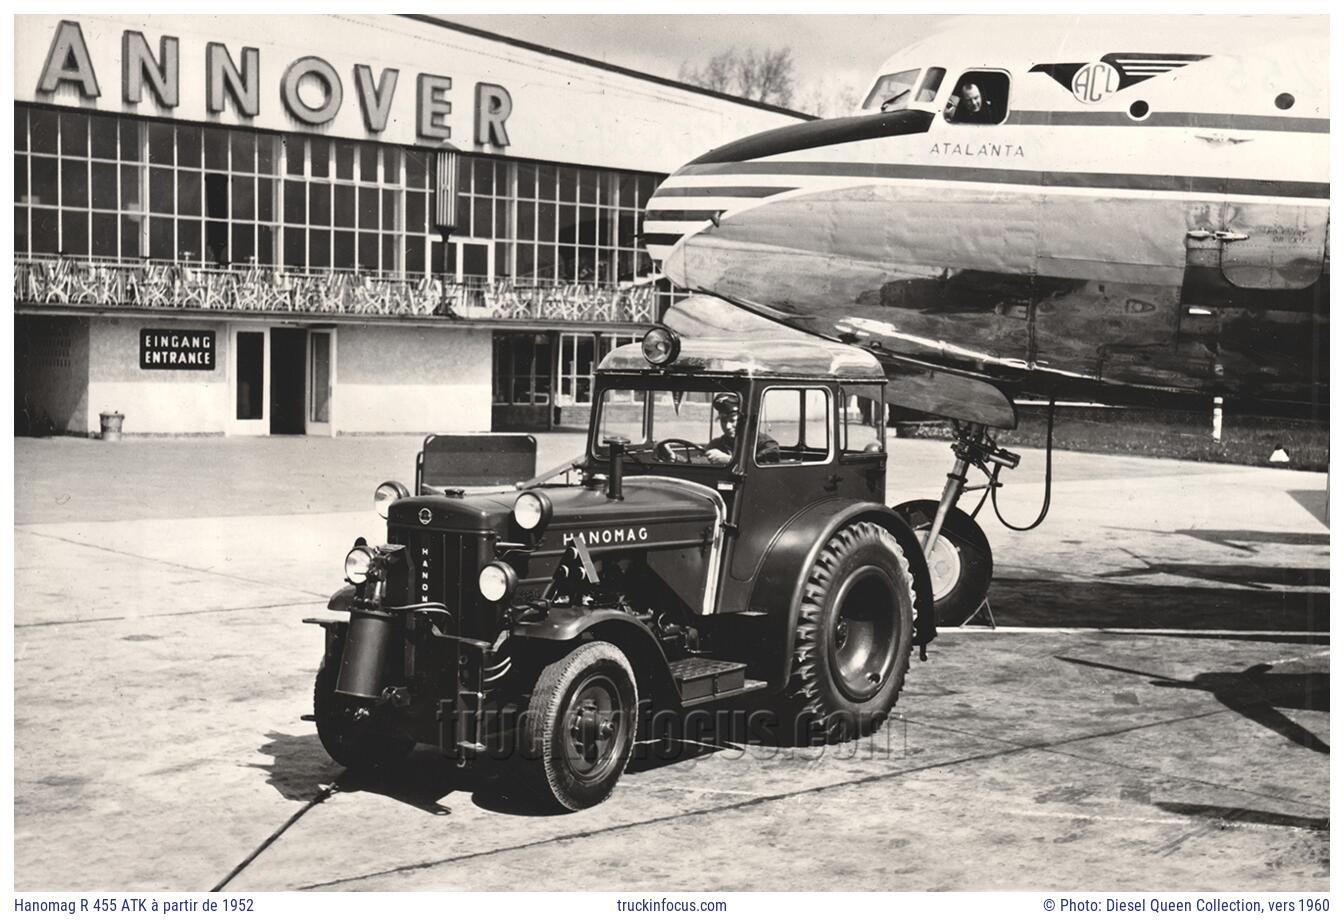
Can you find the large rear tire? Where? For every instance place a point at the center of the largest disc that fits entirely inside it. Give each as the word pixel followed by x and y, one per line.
pixel 854 635
pixel 961 563
pixel 347 738
pixel 579 730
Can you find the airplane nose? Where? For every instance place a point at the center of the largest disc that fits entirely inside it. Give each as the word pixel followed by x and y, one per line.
pixel 705 194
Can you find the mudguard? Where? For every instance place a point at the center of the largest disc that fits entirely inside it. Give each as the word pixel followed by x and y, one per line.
pixel 781 578
pixel 343 599
pixel 566 624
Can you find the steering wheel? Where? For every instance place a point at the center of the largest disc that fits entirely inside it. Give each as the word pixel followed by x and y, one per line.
pixel 668 449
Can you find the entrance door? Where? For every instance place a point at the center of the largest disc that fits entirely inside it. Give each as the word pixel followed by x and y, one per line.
pixel 288 364
pixel 321 361
pixel 249 380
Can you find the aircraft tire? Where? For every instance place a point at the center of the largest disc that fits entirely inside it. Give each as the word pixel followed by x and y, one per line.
pixel 854 635
pixel 961 564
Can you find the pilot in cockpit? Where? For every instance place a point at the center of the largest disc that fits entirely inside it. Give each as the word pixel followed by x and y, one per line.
pixel 974 106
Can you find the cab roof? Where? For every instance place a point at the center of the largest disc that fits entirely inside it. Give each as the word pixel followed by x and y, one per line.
pixel 751 357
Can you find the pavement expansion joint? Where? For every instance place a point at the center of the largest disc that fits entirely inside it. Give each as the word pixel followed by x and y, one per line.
pixel 1051 748
pixel 177 565
pixel 1013 748
pixel 170 613
pixel 629 825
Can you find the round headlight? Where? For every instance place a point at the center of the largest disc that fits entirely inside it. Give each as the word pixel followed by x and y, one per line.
pixel 357 564
pixel 531 510
pixel 497 581
pixel 386 494
pixel 660 346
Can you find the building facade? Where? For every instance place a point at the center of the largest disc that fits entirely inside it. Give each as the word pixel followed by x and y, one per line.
pixel 331 224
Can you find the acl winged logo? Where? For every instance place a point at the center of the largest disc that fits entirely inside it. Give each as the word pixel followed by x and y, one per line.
pixel 1093 81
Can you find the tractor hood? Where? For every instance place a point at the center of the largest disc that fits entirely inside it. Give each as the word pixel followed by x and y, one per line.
pixel 654 511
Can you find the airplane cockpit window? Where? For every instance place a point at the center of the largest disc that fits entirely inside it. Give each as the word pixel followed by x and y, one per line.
pixel 893 91
pixel 928 87
pixel 980 97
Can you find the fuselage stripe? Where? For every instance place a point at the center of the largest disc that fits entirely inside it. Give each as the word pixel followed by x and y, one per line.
pixel 662 239
pixel 1171 120
pixel 1199 184
pixel 721 191
pixel 652 214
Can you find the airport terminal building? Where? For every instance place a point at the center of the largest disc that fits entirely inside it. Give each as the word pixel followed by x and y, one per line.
pixel 331 224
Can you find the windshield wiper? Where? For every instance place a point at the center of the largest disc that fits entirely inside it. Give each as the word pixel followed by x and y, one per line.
pixel 887 102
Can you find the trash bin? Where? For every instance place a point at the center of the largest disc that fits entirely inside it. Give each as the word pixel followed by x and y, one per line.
pixel 111 424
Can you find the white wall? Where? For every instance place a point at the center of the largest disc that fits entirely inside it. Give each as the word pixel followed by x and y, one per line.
pixel 391 379
pixel 562 110
pixel 154 401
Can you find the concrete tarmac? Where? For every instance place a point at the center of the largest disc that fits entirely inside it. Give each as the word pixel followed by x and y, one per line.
pixel 1152 713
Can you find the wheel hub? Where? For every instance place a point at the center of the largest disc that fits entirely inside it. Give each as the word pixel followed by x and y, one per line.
pixel 944 567
pixel 592 727
pixel 865 635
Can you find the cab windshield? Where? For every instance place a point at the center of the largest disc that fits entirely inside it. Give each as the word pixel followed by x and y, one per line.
pixel 669 426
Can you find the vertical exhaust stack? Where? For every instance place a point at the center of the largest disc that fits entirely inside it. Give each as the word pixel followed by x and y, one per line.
pixel 616 452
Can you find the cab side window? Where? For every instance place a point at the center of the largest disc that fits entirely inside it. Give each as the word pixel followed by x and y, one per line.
pixel 795 426
pixel 979 97
pixel 862 414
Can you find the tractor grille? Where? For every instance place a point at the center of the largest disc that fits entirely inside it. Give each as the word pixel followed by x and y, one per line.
pixel 443 568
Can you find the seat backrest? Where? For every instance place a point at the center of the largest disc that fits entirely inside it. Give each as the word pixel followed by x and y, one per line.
pixel 465 460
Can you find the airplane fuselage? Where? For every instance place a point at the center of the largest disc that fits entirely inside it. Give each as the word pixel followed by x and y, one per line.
pixel 1125 214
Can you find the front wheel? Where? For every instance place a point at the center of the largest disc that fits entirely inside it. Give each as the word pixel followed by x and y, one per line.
pixel 961 562
pixel 579 730
pixel 855 631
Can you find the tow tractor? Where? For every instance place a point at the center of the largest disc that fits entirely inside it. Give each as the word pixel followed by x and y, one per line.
pixel 728 534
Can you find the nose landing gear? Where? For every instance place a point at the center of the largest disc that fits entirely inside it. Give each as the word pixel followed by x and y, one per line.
pixel 960 560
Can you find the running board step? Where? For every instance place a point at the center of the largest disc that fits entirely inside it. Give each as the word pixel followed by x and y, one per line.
pixel 702 679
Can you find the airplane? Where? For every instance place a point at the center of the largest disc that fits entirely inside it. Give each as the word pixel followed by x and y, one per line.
pixel 1126 209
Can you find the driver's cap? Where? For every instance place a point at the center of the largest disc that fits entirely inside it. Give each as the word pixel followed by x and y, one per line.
pixel 727 402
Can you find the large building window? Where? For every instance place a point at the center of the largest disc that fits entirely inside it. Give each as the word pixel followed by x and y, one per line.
pixel 88 184
pixel 580 353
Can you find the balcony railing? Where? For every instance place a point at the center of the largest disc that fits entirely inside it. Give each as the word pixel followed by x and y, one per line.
pixel 173 286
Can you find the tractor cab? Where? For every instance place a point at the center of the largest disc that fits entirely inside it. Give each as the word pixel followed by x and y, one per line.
pixel 773 428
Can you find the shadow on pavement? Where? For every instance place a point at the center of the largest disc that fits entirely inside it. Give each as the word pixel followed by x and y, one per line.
pixel 1244 816
pixel 1246 539
pixel 1115 605
pixel 1254 693
pixel 300 767
pixel 1315 501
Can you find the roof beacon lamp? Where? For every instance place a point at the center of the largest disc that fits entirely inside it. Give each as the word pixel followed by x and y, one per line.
pixel 660 346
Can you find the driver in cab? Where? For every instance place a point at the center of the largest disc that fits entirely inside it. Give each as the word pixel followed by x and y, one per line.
pixel 728 407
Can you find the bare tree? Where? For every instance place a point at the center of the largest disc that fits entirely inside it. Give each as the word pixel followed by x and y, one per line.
pixel 765 75
pixel 827 100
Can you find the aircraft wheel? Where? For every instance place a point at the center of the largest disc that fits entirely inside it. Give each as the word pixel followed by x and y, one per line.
pixel 854 635
pixel 349 740
pixel 961 562
pixel 579 730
